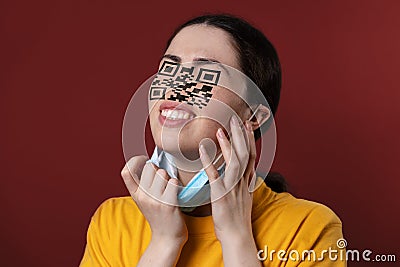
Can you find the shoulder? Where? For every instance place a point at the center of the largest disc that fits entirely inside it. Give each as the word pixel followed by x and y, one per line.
pixel 292 224
pixel 116 225
pixel 117 217
pixel 309 210
pixel 286 206
pixel 116 203
pixel 285 220
pixel 282 212
pixel 117 210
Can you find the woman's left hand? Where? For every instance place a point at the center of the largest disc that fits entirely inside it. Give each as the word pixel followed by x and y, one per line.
pixel 231 199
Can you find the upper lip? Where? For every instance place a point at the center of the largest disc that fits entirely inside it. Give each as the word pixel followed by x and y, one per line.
pixel 176 105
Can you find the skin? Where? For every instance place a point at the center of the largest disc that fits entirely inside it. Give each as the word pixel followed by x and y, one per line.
pixel 232 213
pixel 189 46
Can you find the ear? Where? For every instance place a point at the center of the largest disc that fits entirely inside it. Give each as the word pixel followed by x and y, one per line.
pixel 260 115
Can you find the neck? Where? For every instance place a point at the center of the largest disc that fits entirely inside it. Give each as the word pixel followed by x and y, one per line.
pixel 185 177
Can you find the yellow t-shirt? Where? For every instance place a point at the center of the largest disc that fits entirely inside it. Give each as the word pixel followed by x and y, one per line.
pixel 118 234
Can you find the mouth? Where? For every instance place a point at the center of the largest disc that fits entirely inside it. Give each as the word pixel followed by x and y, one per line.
pixel 174 114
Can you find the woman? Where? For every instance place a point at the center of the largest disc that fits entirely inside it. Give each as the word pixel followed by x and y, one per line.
pixel 239 227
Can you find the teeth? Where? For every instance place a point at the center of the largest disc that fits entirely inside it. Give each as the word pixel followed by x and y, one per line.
pixel 176 114
pixel 173 115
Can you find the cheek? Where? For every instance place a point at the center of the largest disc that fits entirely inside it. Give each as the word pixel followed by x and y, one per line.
pixel 198 130
pixel 229 98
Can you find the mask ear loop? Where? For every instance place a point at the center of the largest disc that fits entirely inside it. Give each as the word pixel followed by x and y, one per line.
pixel 254 113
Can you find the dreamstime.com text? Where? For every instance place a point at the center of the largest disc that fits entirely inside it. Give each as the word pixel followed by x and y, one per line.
pixel 338 254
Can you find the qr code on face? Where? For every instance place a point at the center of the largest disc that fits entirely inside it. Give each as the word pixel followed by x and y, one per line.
pixel 171 75
pixel 193 94
pixel 185 87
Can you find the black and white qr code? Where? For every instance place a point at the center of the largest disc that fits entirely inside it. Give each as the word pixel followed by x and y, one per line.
pixel 193 94
pixel 195 91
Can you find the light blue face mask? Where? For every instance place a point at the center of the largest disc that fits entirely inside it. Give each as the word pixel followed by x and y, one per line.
pixel 197 192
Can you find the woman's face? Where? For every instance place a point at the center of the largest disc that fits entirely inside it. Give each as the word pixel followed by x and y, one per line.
pixel 193 44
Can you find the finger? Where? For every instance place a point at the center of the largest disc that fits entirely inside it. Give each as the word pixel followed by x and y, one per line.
pixel 171 192
pixel 132 171
pixel 130 183
pixel 230 157
pixel 239 143
pixel 232 163
pixel 225 145
pixel 135 166
pixel 160 181
pixel 210 169
pixel 147 176
pixel 249 173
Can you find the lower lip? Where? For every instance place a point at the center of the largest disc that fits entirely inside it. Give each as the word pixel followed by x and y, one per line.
pixel 171 123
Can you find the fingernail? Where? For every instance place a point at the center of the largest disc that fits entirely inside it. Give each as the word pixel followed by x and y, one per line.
pixel 234 121
pixel 220 133
pixel 173 181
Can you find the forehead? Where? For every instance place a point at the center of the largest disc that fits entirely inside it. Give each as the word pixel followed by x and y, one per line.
pixel 202 41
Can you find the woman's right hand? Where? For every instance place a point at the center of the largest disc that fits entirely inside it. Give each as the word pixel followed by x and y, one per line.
pixel 155 193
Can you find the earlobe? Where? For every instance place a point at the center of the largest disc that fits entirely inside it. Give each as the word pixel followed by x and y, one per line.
pixel 260 115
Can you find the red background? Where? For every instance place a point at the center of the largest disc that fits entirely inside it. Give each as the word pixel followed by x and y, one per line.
pixel 68 70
